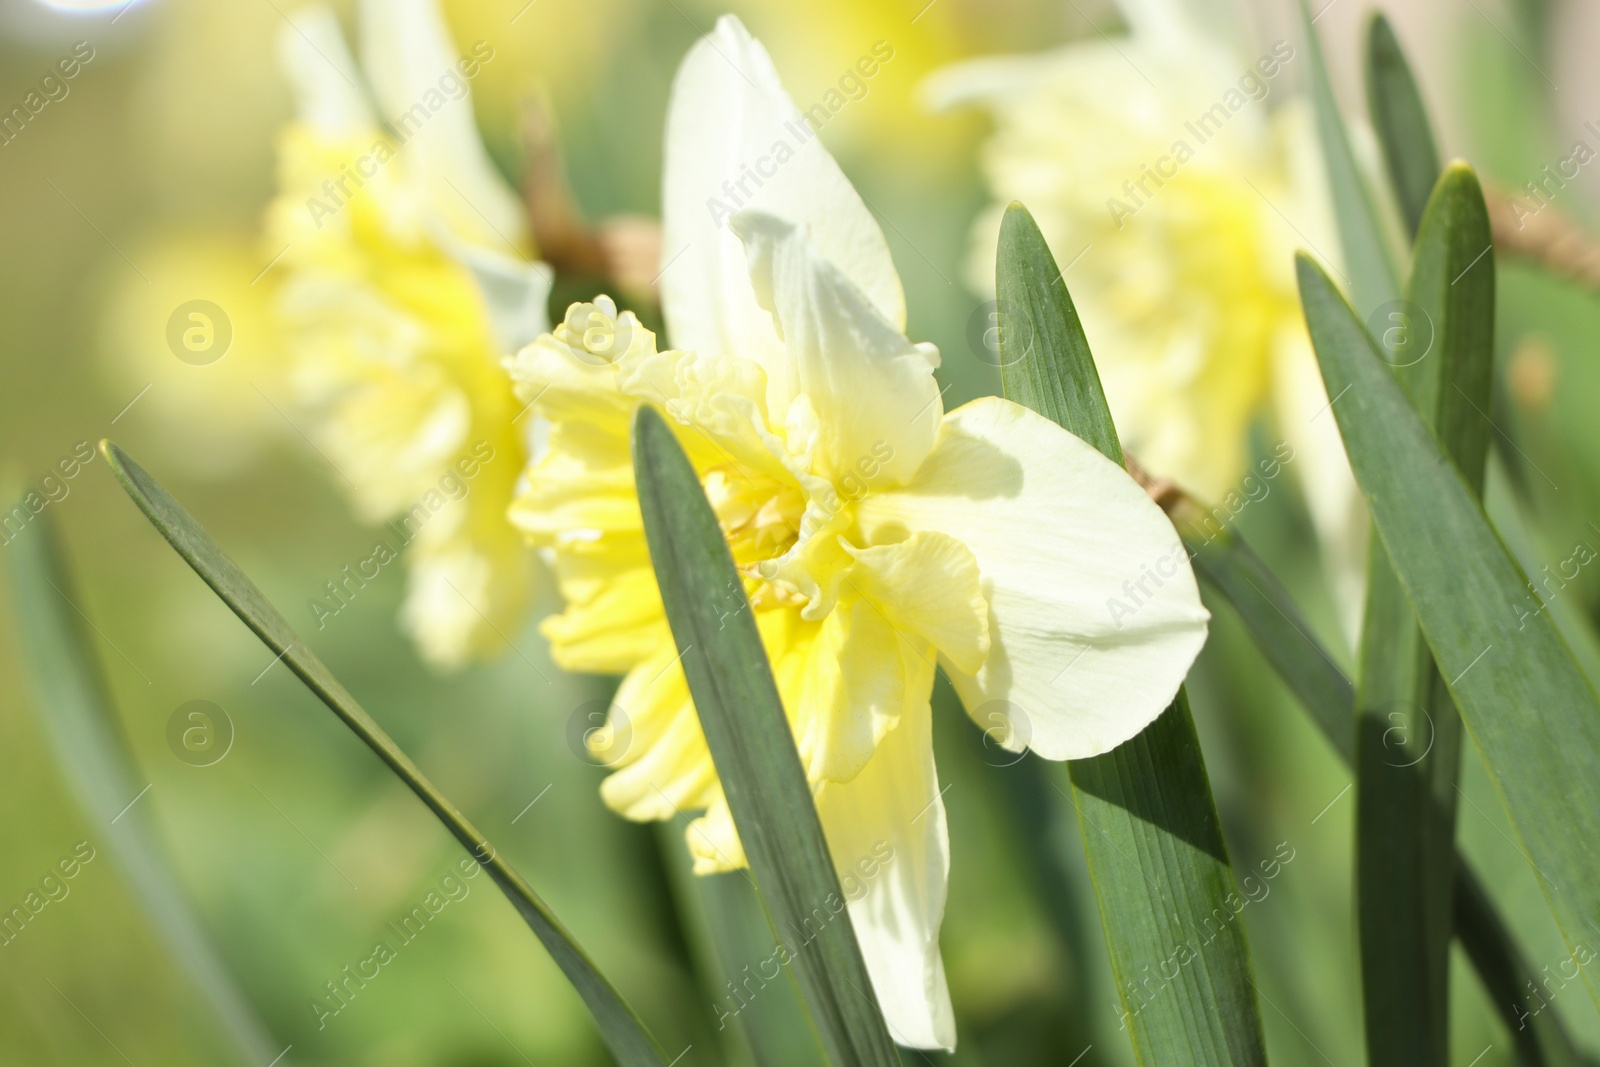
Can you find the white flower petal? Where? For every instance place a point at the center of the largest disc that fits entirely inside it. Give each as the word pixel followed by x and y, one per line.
pixel 929 585
pixel 735 140
pixel 1094 614
pixel 417 77
pixel 515 292
pixel 318 64
pixel 871 390
pixel 886 831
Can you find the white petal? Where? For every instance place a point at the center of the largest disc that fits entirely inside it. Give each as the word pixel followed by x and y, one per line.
pixel 1165 24
pixel 730 121
pixel 929 585
pixel 419 80
pixel 318 64
pixel 515 292
pixel 873 392
pixel 886 831
pixel 1094 617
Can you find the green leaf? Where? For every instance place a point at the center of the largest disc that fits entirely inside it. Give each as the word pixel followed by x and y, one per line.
pixel 76 710
pixel 1280 630
pixel 762 1020
pixel 1540 1037
pixel 1401 122
pixel 622 1031
pixel 1045 363
pixel 1369 268
pixel 1408 733
pixel 1230 567
pixel 1531 712
pixel 1150 828
pixel 751 744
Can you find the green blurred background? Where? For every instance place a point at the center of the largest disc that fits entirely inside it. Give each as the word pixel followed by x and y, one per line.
pixel 144 187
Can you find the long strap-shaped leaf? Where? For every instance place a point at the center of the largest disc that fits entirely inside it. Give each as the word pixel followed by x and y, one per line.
pixel 1368 261
pixel 1531 712
pixel 622 1031
pixel 751 744
pixel 730 939
pixel 1408 732
pixel 1401 121
pixel 1150 827
pixel 76 710
pixel 1284 636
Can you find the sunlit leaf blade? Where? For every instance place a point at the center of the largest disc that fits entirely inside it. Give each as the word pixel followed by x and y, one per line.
pixel 76 711
pixel 622 1031
pixel 1285 639
pixel 1149 824
pixel 1045 363
pixel 1404 134
pixel 1529 709
pixel 1408 734
pixel 1369 269
pixel 751 744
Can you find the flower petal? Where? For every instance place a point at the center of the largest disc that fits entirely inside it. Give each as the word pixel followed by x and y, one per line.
pixel 465 590
pixel 662 763
pixel 736 140
pixel 516 293
pixel 416 75
pixel 871 390
pixel 853 692
pixel 317 61
pixel 1094 617
pixel 886 830
pixel 929 585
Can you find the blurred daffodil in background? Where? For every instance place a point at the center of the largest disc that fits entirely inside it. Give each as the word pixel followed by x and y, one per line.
pixel 407 277
pixel 876 534
pixel 195 298
pixel 1174 177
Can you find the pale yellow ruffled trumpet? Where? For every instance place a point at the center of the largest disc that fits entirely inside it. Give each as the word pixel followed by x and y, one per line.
pixel 1174 178
pixel 878 536
pixel 406 281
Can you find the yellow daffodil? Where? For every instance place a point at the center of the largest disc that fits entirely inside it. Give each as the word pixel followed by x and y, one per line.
pixel 1174 180
pixel 406 283
pixel 878 536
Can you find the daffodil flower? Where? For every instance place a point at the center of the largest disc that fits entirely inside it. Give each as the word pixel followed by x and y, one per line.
pixel 1175 177
pixel 406 282
pixel 878 536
